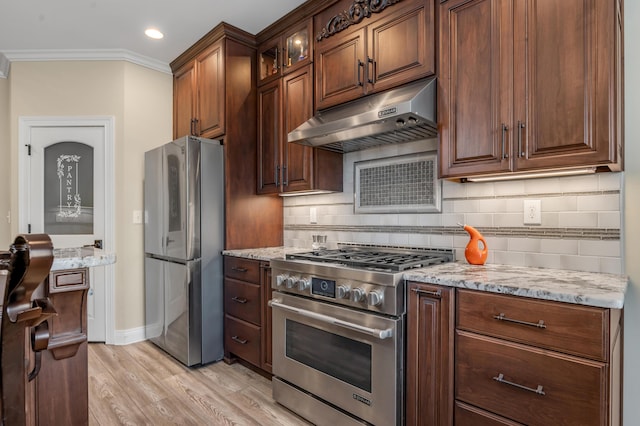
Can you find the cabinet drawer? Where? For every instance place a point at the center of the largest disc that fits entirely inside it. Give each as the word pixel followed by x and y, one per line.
pixel 242 269
pixel 242 300
pixel 573 329
pixel 529 385
pixel 467 415
pixel 69 280
pixel 242 339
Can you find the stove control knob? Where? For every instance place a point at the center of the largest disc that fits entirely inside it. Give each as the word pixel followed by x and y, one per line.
pixel 357 294
pixel 303 284
pixel 374 298
pixel 281 279
pixel 342 292
pixel 291 282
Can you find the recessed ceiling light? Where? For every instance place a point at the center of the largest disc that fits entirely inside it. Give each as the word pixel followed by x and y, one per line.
pixel 153 33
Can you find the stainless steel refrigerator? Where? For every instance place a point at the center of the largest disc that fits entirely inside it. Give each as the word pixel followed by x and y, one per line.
pixel 183 243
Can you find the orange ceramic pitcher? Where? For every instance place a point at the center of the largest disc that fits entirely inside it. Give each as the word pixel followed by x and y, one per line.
pixel 473 252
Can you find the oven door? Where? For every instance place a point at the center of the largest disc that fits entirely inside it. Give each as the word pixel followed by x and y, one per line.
pixel 349 358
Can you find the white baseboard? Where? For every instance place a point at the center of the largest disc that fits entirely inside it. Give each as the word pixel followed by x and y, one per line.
pixel 132 335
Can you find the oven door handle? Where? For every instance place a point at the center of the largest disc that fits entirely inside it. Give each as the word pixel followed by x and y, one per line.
pixel 375 332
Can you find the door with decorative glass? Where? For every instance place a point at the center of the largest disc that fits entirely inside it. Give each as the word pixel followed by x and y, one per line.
pixel 66 198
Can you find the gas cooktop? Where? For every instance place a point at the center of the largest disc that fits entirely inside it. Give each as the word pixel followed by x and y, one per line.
pixel 377 258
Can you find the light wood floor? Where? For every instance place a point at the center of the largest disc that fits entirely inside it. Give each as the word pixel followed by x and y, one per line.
pixel 139 384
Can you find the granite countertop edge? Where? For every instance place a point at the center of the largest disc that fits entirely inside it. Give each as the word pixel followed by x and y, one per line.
pixel 264 253
pixel 576 287
pixel 81 257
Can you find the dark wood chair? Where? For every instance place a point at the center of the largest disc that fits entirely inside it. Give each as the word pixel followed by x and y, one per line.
pixel 24 323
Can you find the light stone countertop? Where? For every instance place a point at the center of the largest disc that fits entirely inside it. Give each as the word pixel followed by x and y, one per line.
pixel 264 253
pixel 81 257
pixel 578 287
pixel 583 288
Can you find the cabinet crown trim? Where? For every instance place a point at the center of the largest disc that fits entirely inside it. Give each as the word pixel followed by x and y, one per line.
pixel 359 10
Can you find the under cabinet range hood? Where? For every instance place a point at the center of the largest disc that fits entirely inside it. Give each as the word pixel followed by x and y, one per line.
pixel 404 114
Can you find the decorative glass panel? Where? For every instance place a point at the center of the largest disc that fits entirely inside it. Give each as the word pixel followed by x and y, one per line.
pixel 269 61
pixel 297 47
pixel 68 189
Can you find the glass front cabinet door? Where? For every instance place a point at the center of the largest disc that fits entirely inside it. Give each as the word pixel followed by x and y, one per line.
pixel 285 52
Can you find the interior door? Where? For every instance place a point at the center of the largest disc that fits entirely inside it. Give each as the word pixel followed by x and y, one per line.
pixel 66 200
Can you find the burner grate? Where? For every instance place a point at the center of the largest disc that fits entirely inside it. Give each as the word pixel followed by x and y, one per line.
pixel 367 258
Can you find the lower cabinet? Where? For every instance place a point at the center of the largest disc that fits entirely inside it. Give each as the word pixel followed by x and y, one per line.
pixel 430 328
pixel 247 328
pixel 515 360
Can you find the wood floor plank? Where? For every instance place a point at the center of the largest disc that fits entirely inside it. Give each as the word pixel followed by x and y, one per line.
pixel 139 384
pixel 263 409
pixel 109 405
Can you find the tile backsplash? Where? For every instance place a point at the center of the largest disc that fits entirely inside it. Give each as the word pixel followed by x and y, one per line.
pixel 579 230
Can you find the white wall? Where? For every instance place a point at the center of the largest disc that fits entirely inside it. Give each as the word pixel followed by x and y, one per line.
pixel 140 99
pixel 632 214
pixel 5 146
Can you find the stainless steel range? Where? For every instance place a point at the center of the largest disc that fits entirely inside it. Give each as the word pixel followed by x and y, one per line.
pixel 338 332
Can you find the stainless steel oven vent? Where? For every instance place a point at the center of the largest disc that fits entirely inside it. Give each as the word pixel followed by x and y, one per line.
pixel 404 114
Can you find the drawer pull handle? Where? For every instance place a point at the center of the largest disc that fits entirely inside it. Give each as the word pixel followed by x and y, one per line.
pixel 428 292
pixel 239 299
pixel 239 340
pixel 239 269
pixel 500 379
pixel 502 317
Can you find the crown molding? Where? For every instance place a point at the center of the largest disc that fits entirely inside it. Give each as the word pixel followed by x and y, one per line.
pixel 9 56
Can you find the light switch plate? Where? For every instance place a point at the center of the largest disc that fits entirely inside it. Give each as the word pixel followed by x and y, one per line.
pixel 313 215
pixel 137 216
pixel 532 212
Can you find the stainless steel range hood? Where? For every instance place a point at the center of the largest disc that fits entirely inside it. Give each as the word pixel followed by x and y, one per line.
pixel 404 114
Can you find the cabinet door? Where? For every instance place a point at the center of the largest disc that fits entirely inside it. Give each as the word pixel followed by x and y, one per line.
pixel 401 48
pixel 297 48
pixel 269 138
pixel 269 61
pixel 430 324
pixel 211 93
pixel 265 284
pixel 340 68
pixel 564 82
pixel 298 108
pixel 475 86
pixel 184 95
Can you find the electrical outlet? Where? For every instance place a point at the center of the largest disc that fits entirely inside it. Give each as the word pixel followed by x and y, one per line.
pixel 532 212
pixel 313 215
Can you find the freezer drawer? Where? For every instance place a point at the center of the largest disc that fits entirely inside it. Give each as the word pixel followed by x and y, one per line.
pixel 173 308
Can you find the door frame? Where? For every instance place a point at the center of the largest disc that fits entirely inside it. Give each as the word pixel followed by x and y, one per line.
pixel 26 123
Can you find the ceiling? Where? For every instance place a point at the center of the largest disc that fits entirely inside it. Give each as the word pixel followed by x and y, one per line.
pixel 68 29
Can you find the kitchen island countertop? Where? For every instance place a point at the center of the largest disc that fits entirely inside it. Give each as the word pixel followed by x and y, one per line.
pixel 81 257
pixel 578 287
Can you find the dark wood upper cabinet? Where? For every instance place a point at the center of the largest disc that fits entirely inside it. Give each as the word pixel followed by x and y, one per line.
pixel 283 105
pixel 297 107
pixel 388 48
pixel 184 100
pixel 528 85
pixel 198 93
pixel 223 81
pixel 269 135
